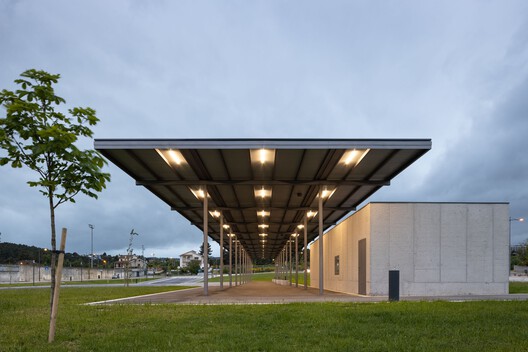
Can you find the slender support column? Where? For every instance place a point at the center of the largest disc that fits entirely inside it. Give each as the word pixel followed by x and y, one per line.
pixel 205 245
pixel 236 262
pixel 297 260
pixel 284 271
pixel 242 255
pixel 305 252
pixel 290 263
pixel 321 259
pixel 221 251
pixel 230 260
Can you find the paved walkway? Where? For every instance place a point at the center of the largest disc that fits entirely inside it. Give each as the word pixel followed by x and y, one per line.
pixel 259 292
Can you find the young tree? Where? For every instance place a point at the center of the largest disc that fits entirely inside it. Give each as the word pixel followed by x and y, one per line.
pixel 35 133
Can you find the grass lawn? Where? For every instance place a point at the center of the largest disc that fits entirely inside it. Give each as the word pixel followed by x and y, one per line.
pixel 267 276
pixel 409 326
pixel 518 287
pixel 85 282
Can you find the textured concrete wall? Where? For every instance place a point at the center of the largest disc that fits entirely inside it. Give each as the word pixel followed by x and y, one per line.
pixel 29 273
pixel 439 248
pixel 342 241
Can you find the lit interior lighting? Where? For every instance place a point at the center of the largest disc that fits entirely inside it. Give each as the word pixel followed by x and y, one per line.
pixel 353 157
pixel 198 193
pixel 327 193
pixel 263 213
pixel 172 156
pixel 294 235
pixel 231 235
pixel 175 156
pixel 263 226
pixel 215 213
pixel 262 156
pixel 300 226
pixel 263 241
pixel 226 226
pixel 263 153
pixel 262 192
pixel 311 213
pixel 263 234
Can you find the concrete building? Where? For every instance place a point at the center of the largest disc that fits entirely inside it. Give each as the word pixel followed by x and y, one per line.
pixel 439 249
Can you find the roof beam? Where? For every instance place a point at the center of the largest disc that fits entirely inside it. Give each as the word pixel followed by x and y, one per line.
pixel 262 183
pixel 264 207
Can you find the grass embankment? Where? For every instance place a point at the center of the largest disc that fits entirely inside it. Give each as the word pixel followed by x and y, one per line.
pixel 409 326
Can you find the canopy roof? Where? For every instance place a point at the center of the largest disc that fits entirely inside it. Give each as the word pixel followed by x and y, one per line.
pixel 263 187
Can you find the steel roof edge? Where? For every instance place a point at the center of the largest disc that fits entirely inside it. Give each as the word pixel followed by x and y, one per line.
pixel 432 202
pixel 273 143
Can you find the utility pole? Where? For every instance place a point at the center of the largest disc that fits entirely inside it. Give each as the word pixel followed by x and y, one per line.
pixel 91 253
pixel 144 261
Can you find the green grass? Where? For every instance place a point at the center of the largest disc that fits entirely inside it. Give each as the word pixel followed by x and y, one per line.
pixel 518 287
pixel 409 326
pixel 266 276
pixel 85 282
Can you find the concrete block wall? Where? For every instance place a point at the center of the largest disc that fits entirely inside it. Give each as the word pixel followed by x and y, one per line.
pixel 342 241
pixel 440 248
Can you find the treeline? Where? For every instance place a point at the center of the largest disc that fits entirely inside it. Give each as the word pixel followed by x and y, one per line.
pixel 13 253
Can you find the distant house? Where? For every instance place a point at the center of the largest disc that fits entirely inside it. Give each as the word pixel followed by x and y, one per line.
pixel 135 262
pixel 186 257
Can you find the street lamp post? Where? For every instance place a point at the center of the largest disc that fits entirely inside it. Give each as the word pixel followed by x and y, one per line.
pixel 510 239
pixel 45 250
pixel 91 252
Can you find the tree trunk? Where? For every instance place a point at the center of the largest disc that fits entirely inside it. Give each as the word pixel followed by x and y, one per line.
pixel 53 249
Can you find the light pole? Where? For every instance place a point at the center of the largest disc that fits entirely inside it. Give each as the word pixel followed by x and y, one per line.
pixel 45 250
pixel 91 253
pixel 510 239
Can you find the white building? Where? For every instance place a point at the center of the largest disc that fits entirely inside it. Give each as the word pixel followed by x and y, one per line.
pixel 439 249
pixel 186 257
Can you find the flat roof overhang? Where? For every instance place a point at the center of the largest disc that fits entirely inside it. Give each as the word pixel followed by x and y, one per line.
pixel 246 176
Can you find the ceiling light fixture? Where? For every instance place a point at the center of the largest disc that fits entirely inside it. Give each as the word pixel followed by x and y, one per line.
pixel 310 214
pixel 262 192
pixel 172 156
pixel 198 193
pixel 327 193
pixel 263 213
pixel 262 156
pixel 353 157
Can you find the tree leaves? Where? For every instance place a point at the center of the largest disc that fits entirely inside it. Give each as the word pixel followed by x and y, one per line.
pixel 36 135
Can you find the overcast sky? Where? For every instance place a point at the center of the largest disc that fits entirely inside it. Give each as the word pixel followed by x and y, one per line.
pixel 455 72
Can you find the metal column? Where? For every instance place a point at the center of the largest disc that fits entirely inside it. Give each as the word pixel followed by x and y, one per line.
pixel 305 251
pixel 296 260
pixel 221 251
pixel 230 260
pixel 236 262
pixel 205 246
pixel 321 259
pixel 290 261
